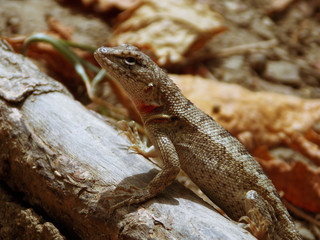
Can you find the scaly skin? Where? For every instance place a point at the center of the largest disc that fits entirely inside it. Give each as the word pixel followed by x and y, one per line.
pixel 186 138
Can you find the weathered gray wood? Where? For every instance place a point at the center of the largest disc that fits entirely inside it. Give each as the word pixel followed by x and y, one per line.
pixel 65 159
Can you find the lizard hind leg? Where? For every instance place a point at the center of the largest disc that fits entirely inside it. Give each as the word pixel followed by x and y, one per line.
pixel 259 217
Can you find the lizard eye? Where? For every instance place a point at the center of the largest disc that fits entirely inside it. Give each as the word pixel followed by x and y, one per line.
pixel 130 61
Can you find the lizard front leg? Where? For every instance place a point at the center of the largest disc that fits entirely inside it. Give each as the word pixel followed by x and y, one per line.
pixel 163 179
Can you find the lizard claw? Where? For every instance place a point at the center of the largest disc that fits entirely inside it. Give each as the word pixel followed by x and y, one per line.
pixel 120 192
pixel 132 195
pixel 139 145
pixel 259 217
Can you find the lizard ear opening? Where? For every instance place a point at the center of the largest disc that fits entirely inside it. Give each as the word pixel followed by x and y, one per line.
pixel 130 61
pixel 148 87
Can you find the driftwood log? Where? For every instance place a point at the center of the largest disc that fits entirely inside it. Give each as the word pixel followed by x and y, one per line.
pixel 64 159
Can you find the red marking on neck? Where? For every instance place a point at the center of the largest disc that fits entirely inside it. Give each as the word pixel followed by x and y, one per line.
pixel 143 108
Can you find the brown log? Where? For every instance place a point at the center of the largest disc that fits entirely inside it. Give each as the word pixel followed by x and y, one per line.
pixel 65 158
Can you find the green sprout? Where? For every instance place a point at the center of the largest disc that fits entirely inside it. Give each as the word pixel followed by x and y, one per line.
pixel 63 46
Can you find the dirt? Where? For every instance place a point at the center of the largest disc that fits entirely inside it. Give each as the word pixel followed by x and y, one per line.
pixel 297 30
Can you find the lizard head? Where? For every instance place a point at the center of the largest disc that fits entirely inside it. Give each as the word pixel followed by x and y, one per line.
pixel 135 71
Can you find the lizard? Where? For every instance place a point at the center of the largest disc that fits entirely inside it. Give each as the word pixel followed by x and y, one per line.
pixel 189 139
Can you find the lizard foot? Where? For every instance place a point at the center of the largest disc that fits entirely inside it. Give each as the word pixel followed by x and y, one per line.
pixel 131 195
pixel 259 216
pixel 139 145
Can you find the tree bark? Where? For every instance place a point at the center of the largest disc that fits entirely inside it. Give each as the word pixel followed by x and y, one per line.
pixel 65 158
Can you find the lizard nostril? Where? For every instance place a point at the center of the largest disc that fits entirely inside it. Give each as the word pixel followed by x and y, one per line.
pixel 102 50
